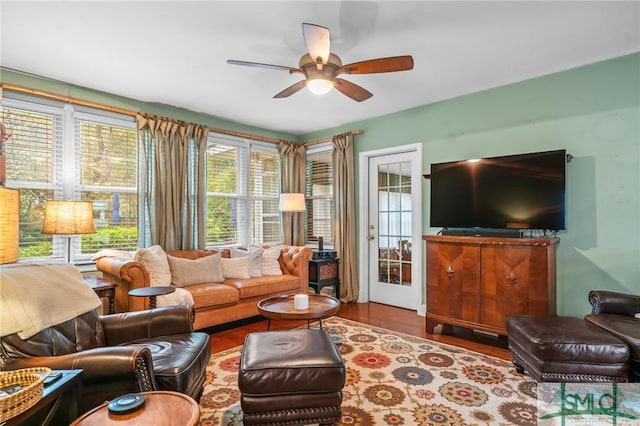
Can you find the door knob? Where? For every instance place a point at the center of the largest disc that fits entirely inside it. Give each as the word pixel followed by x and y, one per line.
pixel 372 237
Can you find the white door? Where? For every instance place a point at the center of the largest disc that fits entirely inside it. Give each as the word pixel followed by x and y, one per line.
pixel 394 230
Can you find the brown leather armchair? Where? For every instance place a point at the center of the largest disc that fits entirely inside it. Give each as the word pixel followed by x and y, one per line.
pixel 138 351
pixel 615 313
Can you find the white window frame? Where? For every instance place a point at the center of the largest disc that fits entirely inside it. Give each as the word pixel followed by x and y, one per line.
pixel 67 149
pixel 243 195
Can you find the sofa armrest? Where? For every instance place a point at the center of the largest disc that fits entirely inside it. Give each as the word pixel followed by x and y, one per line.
pixel 126 327
pixel 609 302
pixel 101 365
pixel 294 260
pixel 128 274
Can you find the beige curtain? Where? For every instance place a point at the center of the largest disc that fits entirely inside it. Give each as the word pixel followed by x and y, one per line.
pixel 172 183
pixel 292 179
pixel 344 216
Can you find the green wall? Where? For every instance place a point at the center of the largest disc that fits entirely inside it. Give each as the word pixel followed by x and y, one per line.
pixel 594 113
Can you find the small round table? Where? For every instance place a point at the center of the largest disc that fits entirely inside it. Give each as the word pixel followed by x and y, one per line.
pixel 282 307
pixel 161 408
pixel 151 293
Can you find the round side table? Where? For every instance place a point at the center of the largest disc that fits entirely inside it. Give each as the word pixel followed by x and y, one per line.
pixel 151 293
pixel 161 408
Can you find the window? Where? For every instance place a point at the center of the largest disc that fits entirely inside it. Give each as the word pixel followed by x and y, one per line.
pixel 61 151
pixel 243 181
pixel 107 157
pixel 319 195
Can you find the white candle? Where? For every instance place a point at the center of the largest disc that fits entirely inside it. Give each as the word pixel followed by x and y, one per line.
pixel 301 301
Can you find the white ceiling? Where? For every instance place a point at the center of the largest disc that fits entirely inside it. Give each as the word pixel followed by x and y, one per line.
pixel 175 53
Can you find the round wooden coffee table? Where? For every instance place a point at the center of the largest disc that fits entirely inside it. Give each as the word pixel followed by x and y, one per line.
pixel 282 307
pixel 161 408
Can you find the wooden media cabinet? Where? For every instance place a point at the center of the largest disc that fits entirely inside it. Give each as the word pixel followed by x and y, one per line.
pixel 477 282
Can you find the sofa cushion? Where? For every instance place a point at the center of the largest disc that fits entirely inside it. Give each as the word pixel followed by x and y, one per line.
pixel 184 272
pixel 270 263
pixel 213 295
pixel 236 268
pixel 255 259
pixel 179 360
pixel 154 259
pixel 264 285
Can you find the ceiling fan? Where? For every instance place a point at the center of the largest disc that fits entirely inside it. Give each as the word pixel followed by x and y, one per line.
pixel 321 68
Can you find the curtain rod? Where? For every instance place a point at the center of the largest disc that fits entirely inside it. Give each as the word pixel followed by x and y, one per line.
pixel 97 105
pixel 323 140
pixel 68 99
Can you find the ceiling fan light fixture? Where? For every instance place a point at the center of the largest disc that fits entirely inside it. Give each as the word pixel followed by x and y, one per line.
pixel 320 86
pixel 321 68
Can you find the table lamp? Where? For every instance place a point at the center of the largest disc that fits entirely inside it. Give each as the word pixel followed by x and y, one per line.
pixel 292 203
pixel 68 218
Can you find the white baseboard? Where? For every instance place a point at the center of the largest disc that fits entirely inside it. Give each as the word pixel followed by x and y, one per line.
pixel 422 311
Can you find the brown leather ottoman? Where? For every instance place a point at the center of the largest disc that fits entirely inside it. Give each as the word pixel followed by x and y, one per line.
pixel 566 349
pixel 290 377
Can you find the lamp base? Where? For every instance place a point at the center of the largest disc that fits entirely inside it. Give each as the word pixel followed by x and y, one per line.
pixel 68 259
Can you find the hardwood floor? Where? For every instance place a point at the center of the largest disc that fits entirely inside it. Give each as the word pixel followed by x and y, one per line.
pixel 384 316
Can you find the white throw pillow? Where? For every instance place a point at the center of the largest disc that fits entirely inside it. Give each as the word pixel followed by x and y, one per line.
pixel 184 272
pixel 235 268
pixel 270 262
pixel 255 259
pixel 154 259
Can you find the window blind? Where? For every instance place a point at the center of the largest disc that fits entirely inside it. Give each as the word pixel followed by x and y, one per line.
pixel 60 151
pixel 319 197
pixel 106 156
pixel 242 192
pixel 34 166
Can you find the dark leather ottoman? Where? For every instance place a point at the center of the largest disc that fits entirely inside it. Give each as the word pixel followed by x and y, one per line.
pixel 566 349
pixel 290 377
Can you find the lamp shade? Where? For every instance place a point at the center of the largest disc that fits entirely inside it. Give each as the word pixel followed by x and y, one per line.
pixel 9 224
pixel 68 217
pixel 292 202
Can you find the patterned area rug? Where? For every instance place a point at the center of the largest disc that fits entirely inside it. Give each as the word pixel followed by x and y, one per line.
pixel 396 379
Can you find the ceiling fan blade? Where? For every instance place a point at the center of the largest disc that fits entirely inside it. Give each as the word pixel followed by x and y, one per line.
pixel 292 89
pixel 259 65
pixel 373 66
pixel 318 41
pixel 352 90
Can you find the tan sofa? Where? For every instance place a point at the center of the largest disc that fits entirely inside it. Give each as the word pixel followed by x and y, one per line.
pixel 215 303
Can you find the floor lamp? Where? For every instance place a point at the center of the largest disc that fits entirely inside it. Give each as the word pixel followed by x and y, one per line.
pixel 68 218
pixel 292 203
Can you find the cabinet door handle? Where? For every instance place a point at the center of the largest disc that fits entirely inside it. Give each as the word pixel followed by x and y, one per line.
pixel 512 278
pixel 450 272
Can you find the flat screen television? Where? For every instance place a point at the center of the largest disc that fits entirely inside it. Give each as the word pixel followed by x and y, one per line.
pixel 525 191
